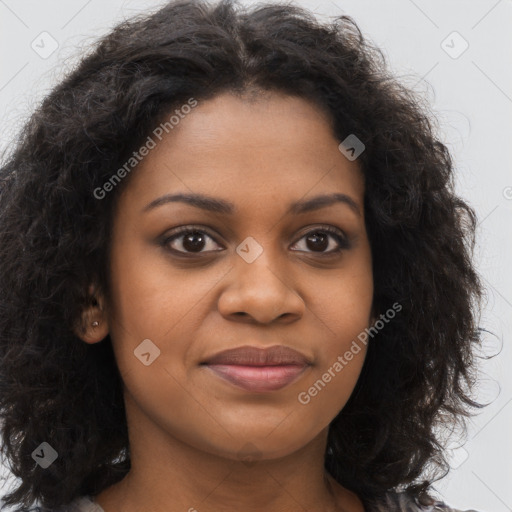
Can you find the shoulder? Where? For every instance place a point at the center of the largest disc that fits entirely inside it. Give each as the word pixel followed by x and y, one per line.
pixel 391 502
pixel 81 504
pixel 401 502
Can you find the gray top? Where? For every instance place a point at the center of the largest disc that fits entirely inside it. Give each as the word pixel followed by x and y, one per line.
pixel 400 502
pixel 394 502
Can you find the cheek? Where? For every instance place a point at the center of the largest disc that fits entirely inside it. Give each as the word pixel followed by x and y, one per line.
pixel 339 360
pixel 342 301
pixel 342 315
pixel 150 298
pixel 334 378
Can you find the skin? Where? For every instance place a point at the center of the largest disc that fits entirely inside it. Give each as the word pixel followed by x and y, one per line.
pixel 188 428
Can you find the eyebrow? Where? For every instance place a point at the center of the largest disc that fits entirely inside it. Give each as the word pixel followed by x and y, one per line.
pixel 217 205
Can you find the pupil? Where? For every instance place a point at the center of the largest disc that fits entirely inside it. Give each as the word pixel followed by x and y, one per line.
pixel 188 242
pixel 315 237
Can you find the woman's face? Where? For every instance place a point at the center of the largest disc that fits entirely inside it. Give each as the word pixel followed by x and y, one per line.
pixel 257 272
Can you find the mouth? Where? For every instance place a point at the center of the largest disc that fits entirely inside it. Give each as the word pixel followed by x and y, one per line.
pixel 259 370
pixel 258 378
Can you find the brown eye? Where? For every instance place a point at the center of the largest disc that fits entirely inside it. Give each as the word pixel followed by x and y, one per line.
pixel 190 241
pixel 319 240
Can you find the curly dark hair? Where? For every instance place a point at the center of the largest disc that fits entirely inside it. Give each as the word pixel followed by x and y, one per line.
pixel 419 372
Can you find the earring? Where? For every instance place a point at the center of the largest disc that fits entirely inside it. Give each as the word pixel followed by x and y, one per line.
pixel 95 323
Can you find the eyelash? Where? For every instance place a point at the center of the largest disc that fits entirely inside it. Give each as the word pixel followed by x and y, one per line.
pixel 335 233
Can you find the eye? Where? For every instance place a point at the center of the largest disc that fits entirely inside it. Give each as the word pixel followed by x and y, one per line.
pixel 318 240
pixel 189 240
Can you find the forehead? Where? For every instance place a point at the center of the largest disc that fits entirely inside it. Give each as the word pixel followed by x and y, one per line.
pixel 274 148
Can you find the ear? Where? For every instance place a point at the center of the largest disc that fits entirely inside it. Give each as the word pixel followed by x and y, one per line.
pixel 92 326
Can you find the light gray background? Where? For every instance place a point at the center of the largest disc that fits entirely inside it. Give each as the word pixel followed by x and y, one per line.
pixel 471 95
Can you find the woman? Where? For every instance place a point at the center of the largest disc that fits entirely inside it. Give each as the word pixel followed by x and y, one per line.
pixel 235 275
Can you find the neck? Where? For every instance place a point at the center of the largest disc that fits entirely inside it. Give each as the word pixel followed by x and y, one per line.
pixel 167 474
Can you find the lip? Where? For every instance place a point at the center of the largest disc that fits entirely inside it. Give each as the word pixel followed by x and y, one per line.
pixel 258 379
pixel 259 370
pixel 276 355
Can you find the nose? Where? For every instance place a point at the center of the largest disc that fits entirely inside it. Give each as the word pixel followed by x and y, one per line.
pixel 259 292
